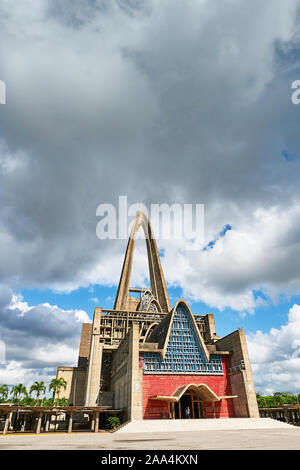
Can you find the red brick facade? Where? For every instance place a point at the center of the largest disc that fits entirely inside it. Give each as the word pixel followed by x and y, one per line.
pixel 167 384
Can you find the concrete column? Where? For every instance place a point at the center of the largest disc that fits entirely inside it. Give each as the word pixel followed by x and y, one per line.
pixel 96 421
pixel 93 422
pixel 6 424
pixel 193 411
pixel 172 409
pixel 134 376
pixel 70 422
pixel 95 363
pixel 48 418
pixel 210 325
pixel 39 422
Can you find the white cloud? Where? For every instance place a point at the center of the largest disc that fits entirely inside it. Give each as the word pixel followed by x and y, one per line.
pixel 17 303
pixel 275 356
pixel 10 163
pixel 61 354
pixel 37 338
pixel 259 253
pixel 14 373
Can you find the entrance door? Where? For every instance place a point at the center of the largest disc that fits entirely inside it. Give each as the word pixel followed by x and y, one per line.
pixel 186 403
pixel 192 401
pixel 201 409
pixel 198 409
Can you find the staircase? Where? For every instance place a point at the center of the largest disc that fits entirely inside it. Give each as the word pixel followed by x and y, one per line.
pixel 181 425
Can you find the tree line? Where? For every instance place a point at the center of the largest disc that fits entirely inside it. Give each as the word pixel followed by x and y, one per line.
pixel 19 395
pixel 277 399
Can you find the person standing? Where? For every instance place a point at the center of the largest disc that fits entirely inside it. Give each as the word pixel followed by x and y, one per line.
pixel 187 412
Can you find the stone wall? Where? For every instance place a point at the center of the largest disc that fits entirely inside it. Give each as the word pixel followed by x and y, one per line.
pixel 241 376
pixel 85 344
pixel 76 381
pixel 94 363
pixel 126 378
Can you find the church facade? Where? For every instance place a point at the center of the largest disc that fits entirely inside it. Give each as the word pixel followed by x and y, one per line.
pixel 154 361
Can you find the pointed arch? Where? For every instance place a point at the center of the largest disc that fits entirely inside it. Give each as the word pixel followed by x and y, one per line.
pixel 193 321
pixel 158 284
pixel 147 300
pixel 156 303
pixel 149 331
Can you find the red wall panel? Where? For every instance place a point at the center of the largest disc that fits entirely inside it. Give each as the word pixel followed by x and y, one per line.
pixel 167 384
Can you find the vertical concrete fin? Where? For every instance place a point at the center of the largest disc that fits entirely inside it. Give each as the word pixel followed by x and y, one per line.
pixel 95 363
pixel 240 374
pixel 158 284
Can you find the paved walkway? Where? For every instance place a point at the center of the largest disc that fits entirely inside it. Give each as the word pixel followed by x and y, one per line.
pixel 277 437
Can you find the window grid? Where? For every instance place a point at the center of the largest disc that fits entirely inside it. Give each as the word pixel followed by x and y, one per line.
pixel 183 353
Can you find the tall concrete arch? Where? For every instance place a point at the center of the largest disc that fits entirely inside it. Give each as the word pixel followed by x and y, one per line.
pixel 158 284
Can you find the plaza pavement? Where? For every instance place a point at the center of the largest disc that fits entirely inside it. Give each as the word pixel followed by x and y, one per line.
pixel 264 436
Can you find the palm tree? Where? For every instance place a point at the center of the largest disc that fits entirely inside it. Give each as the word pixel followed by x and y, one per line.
pixel 17 391
pixel 4 392
pixel 39 388
pixel 56 385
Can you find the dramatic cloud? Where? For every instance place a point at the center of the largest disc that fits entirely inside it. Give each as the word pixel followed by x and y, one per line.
pixel 36 339
pixel 259 253
pixel 275 356
pixel 162 101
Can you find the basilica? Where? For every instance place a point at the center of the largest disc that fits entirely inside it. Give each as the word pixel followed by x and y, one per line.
pixel 152 360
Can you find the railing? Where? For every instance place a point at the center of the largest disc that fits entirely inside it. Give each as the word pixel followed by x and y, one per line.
pixel 238 367
pixel 115 324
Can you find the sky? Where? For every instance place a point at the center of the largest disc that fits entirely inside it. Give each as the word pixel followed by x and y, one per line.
pixel 163 101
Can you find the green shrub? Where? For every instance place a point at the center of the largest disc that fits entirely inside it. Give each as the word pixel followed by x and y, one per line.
pixel 49 401
pixel 113 422
pixel 62 402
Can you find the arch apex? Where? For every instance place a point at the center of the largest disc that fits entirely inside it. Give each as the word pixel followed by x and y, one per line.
pixel 157 279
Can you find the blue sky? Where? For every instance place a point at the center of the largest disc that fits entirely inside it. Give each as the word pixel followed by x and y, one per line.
pixel 264 318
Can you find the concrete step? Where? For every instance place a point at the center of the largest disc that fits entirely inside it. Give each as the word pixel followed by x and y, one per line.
pixel 177 425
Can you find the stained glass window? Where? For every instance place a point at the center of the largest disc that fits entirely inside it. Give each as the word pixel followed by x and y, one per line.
pixel 183 352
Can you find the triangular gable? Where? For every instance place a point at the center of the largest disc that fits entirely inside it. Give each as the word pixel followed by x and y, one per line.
pixel 181 346
pixel 183 330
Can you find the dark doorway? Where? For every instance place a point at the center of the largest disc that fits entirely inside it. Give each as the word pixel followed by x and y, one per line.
pixel 196 410
pixel 189 400
pixel 201 410
pixel 192 401
pixel 185 403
